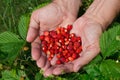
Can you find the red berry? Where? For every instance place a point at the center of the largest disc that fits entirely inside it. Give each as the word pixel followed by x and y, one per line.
pixel 66 60
pixel 78 39
pixel 70 58
pixel 59 36
pixel 58 43
pixel 67 42
pixel 42 37
pixel 53 34
pixel 58 56
pixel 60 49
pixel 73 39
pixel 44 43
pixel 69 27
pixel 74 55
pixel 47 39
pixel 65 52
pixel 79 50
pixel 51 55
pixel 69 47
pixel 46 33
pixel 58 62
pixel 62 59
pixel 44 48
pixel 49 58
pixel 72 35
pixel 76 45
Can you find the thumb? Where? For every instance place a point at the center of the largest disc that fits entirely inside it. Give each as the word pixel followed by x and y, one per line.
pixel 33 30
pixel 85 58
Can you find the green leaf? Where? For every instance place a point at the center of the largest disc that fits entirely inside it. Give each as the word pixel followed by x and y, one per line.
pixel 109 42
pixel 23 26
pixel 110 69
pixel 97 59
pixel 14 75
pixel 92 70
pixel 8 37
pixel 10 45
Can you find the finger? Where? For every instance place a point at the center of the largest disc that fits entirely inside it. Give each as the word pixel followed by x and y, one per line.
pixel 49 71
pixel 33 30
pixel 61 69
pixel 53 61
pixel 42 61
pixel 47 65
pixel 36 50
pixel 85 58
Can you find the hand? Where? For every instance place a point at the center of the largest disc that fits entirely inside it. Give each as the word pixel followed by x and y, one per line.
pixel 89 30
pixel 47 18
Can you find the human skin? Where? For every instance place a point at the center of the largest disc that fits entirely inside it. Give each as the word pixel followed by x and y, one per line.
pixel 57 13
pixel 90 27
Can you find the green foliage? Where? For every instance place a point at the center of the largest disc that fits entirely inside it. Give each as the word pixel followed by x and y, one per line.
pixel 110 42
pixel 10 45
pixel 14 75
pixel 110 69
pixel 23 26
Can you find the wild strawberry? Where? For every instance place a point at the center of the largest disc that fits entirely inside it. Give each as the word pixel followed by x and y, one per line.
pixel 44 48
pixel 62 59
pixel 47 38
pixel 74 55
pixel 53 34
pixel 58 56
pixel 69 27
pixel 49 58
pixel 46 33
pixel 70 58
pixel 72 35
pixel 66 60
pixel 79 50
pixel 42 37
pixel 58 62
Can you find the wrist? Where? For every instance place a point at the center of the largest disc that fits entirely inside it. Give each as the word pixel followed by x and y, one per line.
pixel 69 7
pixel 103 11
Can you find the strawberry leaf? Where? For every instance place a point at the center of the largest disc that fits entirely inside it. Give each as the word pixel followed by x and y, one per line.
pixel 110 69
pixel 23 26
pixel 109 41
pixel 10 45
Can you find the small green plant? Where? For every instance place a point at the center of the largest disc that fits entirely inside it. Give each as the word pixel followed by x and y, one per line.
pixel 16 62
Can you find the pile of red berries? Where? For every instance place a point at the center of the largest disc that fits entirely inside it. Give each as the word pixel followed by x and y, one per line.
pixel 60 42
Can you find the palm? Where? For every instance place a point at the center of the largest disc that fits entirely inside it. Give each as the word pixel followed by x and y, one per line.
pixel 46 18
pixel 90 32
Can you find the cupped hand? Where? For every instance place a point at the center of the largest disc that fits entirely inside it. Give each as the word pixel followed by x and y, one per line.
pixel 89 30
pixel 46 18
